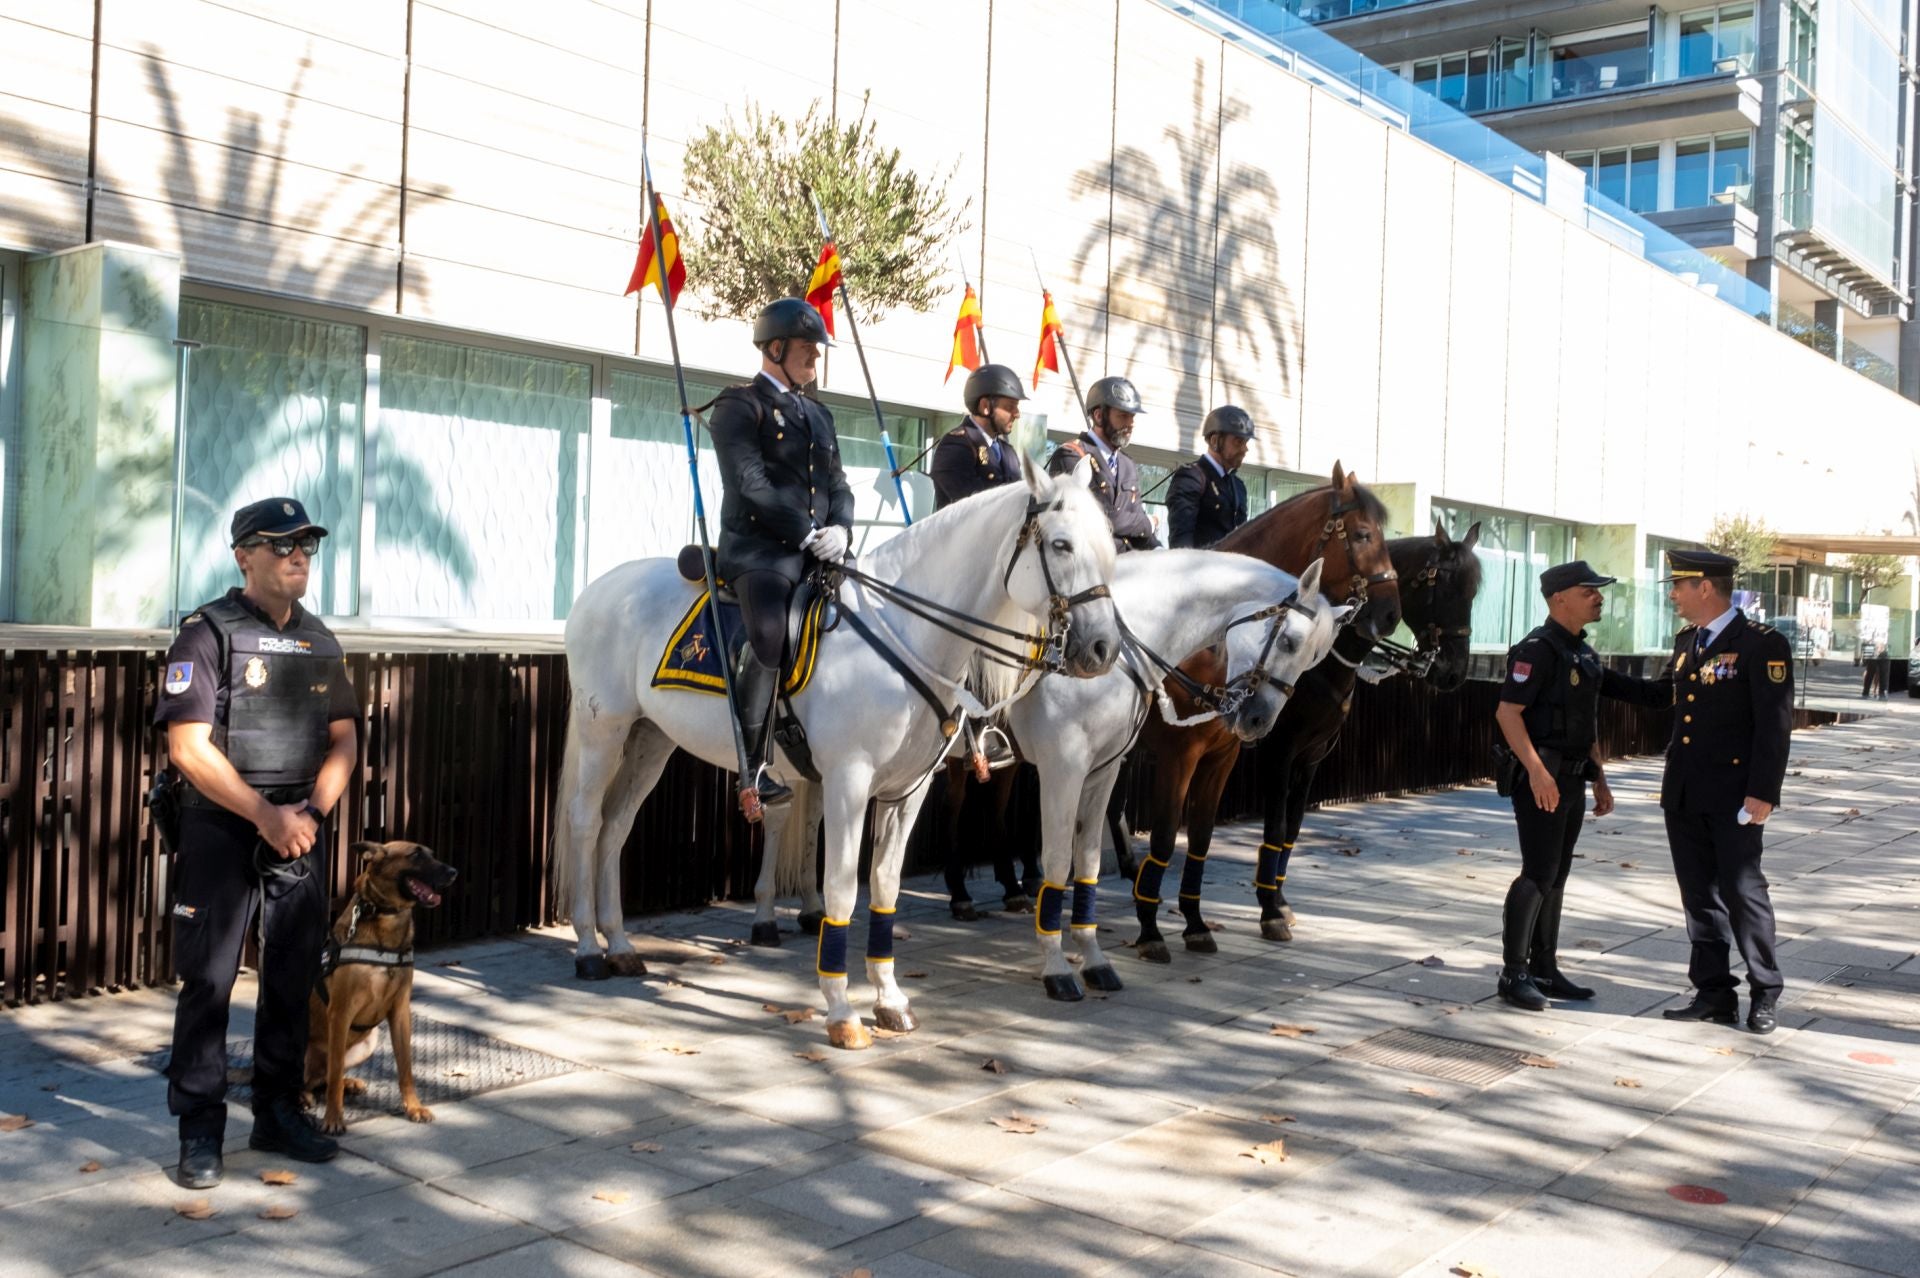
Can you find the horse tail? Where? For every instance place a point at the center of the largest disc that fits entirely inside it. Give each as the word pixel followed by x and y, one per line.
pixel 799 839
pixel 561 849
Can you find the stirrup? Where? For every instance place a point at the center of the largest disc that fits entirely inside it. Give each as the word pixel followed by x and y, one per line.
pixel 1006 758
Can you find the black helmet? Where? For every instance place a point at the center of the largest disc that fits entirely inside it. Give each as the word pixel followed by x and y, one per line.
pixel 1228 420
pixel 1113 392
pixel 992 379
pixel 788 318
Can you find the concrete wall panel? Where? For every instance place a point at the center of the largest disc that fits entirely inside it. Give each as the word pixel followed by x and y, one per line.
pixel 1584 387
pixel 1415 303
pixel 1623 453
pixel 1534 307
pixel 1477 352
pixel 44 104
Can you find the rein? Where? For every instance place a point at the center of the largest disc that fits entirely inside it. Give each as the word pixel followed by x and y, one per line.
pixel 1336 526
pixel 1217 701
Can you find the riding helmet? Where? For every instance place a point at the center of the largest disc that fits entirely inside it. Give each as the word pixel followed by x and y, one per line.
pixel 1228 420
pixel 788 319
pixel 1113 392
pixel 992 379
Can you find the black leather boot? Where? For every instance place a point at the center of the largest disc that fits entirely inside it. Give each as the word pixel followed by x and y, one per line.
pixel 201 1166
pixel 1516 982
pixel 281 1127
pixel 1721 1007
pixel 753 688
pixel 1543 961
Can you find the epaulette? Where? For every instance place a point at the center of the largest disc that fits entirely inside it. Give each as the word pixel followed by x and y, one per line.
pixel 1763 627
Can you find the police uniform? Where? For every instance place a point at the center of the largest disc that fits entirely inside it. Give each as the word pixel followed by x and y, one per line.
pixel 271 694
pixel 1557 678
pixel 1205 502
pixel 1116 484
pixel 1732 698
pixel 968 461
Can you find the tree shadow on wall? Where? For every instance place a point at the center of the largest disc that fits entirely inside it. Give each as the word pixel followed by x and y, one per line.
pixel 1195 227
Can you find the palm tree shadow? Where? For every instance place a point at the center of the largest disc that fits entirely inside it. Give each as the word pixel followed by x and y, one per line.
pixel 1194 214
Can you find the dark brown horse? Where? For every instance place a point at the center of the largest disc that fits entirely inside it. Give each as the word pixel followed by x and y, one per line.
pixel 1438 580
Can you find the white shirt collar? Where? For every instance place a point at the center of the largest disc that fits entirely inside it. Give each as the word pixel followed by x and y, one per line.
pixel 1214 462
pixel 1719 623
pixel 1106 452
pixel 777 383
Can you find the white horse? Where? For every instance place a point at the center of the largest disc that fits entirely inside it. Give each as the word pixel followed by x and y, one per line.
pixel 1076 731
pixel 1041 551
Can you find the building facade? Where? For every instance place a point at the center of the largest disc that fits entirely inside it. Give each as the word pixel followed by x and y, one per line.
pixel 372 253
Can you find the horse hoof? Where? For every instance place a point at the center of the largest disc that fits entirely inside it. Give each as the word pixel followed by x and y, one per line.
pixel 810 922
pixel 1153 951
pixel 963 912
pixel 1018 903
pixel 900 1020
pixel 1286 912
pixel 1200 942
pixel 1103 978
pixel 767 934
pixel 591 967
pixel 628 964
pixel 1276 929
pixel 1063 989
pixel 850 1036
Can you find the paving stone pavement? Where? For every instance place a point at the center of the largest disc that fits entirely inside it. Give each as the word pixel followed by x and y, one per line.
pixel 704 1134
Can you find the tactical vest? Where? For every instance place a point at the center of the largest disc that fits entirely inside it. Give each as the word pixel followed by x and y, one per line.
pixel 279 695
pixel 1565 716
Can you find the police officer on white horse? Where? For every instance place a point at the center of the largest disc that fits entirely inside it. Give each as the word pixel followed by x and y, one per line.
pixel 977 454
pixel 1112 404
pixel 785 506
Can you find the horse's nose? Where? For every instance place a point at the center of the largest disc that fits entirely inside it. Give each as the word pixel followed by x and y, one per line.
pixel 1100 653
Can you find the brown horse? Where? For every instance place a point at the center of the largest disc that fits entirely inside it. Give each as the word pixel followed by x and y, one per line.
pixel 1342 523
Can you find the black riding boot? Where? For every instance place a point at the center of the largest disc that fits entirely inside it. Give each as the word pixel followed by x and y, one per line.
pixel 1544 963
pixel 1516 983
pixel 753 688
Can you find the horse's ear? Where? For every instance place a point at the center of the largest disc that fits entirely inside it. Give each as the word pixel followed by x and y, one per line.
pixel 1031 474
pixel 1440 532
pixel 1472 538
pixel 1341 612
pixel 1310 579
pixel 1340 479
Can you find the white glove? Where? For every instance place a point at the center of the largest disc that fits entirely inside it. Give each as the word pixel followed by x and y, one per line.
pixel 828 545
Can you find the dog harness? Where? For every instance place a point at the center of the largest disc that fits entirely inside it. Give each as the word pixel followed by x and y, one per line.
pixel 340 954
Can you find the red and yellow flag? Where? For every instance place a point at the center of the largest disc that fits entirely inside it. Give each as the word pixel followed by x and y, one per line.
pixel 647 271
pixel 966 335
pixel 826 278
pixel 1050 338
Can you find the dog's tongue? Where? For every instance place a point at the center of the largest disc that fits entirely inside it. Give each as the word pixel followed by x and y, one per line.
pixel 422 893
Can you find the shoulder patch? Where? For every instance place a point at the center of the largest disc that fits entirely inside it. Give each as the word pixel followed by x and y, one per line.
pixel 192 619
pixel 1522 671
pixel 179 678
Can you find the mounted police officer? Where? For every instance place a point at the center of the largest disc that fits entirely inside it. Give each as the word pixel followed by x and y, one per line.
pixel 1549 717
pixel 786 506
pixel 1112 404
pixel 977 454
pixel 1206 498
pixel 1731 683
pixel 261 725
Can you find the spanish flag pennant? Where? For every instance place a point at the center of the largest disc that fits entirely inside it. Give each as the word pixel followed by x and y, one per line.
pixel 966 335
pixel 826 278
pixel 647 271
pixel 1050 338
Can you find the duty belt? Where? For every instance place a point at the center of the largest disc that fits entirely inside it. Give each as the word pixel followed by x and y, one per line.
pixel 192 798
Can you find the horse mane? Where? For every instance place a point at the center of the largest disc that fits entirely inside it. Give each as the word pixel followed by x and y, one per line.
pixel 1370 506
pixel 1465 566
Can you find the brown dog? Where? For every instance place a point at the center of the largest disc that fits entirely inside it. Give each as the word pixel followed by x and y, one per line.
pixel 369 978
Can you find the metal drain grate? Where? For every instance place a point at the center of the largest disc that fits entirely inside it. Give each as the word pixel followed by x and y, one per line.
pixel 450 1062
pixel 1879 980
pixel 1434 1056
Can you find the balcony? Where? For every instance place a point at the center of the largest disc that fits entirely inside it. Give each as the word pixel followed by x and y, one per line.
pixel 1802 244
pixel 1729 225
pixel 1401 30
pixel 1724 102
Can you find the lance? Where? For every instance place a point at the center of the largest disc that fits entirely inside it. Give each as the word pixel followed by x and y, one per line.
pixel 853 326
pixel 1066 357
pixel 748 786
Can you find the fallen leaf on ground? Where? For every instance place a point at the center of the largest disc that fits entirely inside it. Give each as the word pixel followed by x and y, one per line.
pixel 1628 865
pixel 89 1167
pixel 770 1007
pixel 1423 1091
pixel 795 1015
pixel 1273 1151
pixel 1193 980
pixel 1432 960
pixel 813 1056
pixel 993 1066
pixel 645 1147
pixel 716 959
pixel 1722 1051
pixel 278 1177
pixel 914 976
pixel 1463 851
pixel 881 1031
pixel 280 1211
pixel 1292 1031
pixel 1591 944
pixel 855 1273
pixel 14 1122
pixel 195 1209
pixel 1540 1062
pixel 611 1196
pixel 1277 1118
pixel 456 1073
pixel 1626 1082
pixel 1019 1124
pixel 678 1050
pixel 1464 1270
pixel 1349 851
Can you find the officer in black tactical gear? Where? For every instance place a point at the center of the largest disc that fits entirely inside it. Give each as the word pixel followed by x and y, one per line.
pixel 1549 717
pixel 1112 404
pixel 261 726
pixel 785 504
pixel 977 454
pixel 1206 498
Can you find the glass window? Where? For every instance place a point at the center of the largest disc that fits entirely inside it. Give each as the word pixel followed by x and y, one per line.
pixel 1643 179
pixel 274 408
pixel 1612 180
pixel 644 463
pixel 1479 83
pixel 1513 549
pixel 1453 80
pixel 480 487
pixel 1735 39
pixel 1696 44
pixel 1691 171
pixel 1598 65
pixel 1426 75
pixel 1732 153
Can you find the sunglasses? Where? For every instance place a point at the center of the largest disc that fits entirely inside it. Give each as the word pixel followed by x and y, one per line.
pixel 308 544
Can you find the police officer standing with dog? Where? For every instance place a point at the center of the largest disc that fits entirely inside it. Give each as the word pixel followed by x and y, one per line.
pixel 261 728
pixel 1112 404
pixel 1206 498
pixel 1549 719
pixel 977 454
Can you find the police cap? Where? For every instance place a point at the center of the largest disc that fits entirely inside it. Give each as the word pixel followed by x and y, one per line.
pixel 1566 576
pixel 992 379
pixel 273 517
pixel 788 319
pixel 1228 420
pixel 1113 392
pixel 1688 565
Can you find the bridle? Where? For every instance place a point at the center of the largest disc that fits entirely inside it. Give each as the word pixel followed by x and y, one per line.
pixel 1224 700
pixel 1336 526
pixel 1418 660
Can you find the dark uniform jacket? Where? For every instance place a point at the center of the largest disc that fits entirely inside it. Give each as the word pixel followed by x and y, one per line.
pixel 1117 487
pixel 1558 679
pixel 780 471
pixel 1732 718
pixel 1203 505
pixel 963 464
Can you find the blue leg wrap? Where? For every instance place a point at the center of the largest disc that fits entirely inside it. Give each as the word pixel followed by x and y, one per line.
pixel 879 935
pixel 832 954
pixel 1046 912
pixel 1083 902
pixel 1280 866
pixel 1146 880
pixel 1192 874
pixel 1267 867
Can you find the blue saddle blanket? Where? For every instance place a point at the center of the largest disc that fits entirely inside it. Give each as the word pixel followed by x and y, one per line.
pixel 692 658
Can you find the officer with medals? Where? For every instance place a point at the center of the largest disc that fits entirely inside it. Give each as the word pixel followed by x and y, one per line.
pixel 1206 498
pixel 1731 687
pixel 785 505
pixel 261 726
pixel 1112 404
pixel 977 454
pixel 1549 718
